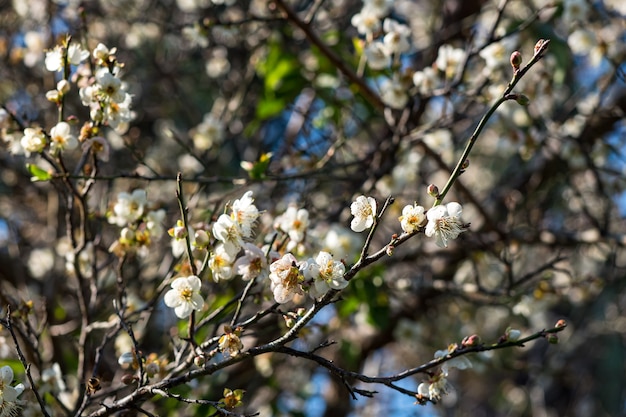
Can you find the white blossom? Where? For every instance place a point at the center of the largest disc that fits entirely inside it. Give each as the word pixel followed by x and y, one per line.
pixel 377 55
pixel 8 393
pixel 363 209
pixel 221 263
pixel 397 36
pixel 326 273
pixel 393 92
pixel 412 217
pixel 129 207
pixel 449 59
pixel 253 264
pixel 61 137
pixel 245 213
pixel 33 141
pixel 426 80
pixel 184 296
pixel 444 222
pixel 367 21
pixel 294 222
pixel 286 278
pixel 229 232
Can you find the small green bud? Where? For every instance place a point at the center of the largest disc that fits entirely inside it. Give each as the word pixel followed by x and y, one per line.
pixel 522 100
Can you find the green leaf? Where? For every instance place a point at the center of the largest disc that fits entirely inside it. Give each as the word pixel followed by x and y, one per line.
pixel 38 174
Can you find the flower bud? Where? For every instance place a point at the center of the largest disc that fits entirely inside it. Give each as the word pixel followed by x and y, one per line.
pixel 522 100
pixel 469 341
pixel 202 239
pixel 560 323
pixel 389 250
pixel 553 339
pixel 63 86
pixel 465 164
pixel 516 60
pixel 433 190
pixel 539 45
pixel 128 379
pixel 199 360
pixel 512 334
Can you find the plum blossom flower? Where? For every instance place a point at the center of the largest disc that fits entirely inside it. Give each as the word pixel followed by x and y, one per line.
pixel 221 263
pixel 377 56
pixel 397 36
pixel 326 273
pixel 33 141
pixel 363 209
pixel 184 296
pixel 444 222
pixel 438 385
pixel 229 232
pixel 412 217
pixel 294 222
pixel 575 10
pixel 61 137
pixel 367 21
pixel 449 59
pixel 230 343
pixel 393 92
pixel 426 80
pixel 129 207
pixel 286 278
pixel 110 86
pixel 8 393
pixel 245 213
pixel 253 264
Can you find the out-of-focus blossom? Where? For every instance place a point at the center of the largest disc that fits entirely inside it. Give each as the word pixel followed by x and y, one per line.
pixel 449 60
pixel 33 141
pixel 129 207
pixel 426 80
pixel 8 393
pixel 367 21
pixel 393 92
pixel 377 56
pixel 294 222
pixel 208 133
pixel 396 39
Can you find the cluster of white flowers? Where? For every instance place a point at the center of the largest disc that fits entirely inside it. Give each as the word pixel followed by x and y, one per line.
pixel 139 224
pixel 106 97
pixel 384 51
pixel 8 393
pixel 231 230
pixel 444 221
